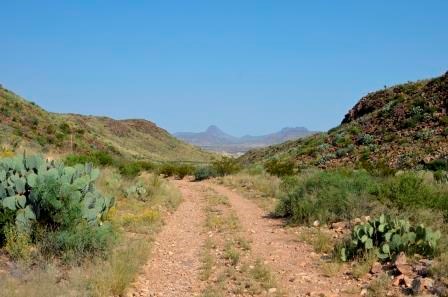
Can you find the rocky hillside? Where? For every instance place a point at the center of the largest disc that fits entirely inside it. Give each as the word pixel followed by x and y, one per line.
pixel 215 139
pixel 404 126
pixel 26 126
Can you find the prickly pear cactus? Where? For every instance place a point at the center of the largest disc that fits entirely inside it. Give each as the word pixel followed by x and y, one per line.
pixel 36 190
pixel 390 237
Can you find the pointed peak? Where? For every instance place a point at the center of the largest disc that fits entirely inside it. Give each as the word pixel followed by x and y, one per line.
pixel 213 129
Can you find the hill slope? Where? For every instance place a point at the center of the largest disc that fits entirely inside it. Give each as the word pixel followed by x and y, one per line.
pixel 215 139
pixel 405 126
pixel 24 125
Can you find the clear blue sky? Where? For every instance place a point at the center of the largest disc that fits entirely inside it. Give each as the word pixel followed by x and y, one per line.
pixel 246 66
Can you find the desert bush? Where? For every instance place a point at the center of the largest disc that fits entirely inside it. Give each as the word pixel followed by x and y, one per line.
pixel 439 164
pixel 342 140
pixel 97 158
pixel 441 176
pixel 177 170
pixel 204 172
pixel 226 166
pixel 344 151
pixel 167 169
pixel 327 196
pixel 255 169
pixel 77 242
pixel 343 194
pixel 279 167
pixel 183 170
pixel 17 244
pixel 133 168
pixel 366 139
pixel 389 237
pixel 379 168
pixel 409 190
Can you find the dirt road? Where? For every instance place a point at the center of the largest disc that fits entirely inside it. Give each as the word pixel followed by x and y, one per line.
pixel 174 266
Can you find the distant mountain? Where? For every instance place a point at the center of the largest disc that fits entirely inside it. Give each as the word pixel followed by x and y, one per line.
pixel 215 139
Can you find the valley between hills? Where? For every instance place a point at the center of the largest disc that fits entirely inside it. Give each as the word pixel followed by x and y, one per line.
pixel 92 206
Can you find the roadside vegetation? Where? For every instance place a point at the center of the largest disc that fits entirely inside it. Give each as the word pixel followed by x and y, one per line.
pixel 62 230
pixel 359 216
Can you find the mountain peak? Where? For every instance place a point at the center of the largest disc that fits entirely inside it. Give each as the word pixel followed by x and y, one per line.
pixel 214 130
pixel 213 138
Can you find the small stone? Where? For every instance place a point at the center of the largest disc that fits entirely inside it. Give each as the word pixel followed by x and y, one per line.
pixel 272 290
pixel 316 223
pixel 402 265
pixel 402 281
pixel 339 225
pixel 376 268
pixel 364 292
pixel 427 283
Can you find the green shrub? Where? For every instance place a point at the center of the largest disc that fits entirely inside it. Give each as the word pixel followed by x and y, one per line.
pixel 390 237
pixel 342 152
pixel 379 168
pixel 177 170
pixel 78 241
pixel 97 158
pixel 410 191
pixel 441 176
pixel 183 170
pixel 65 128
pixel 327 196
pixel 279 167
pixel 132 169
pixel 366 139
pixel 204 172
pixel 17 244
pixel 167 169
pixel 342 140
pixel 226 166
pixel 255 169
pixel 435 165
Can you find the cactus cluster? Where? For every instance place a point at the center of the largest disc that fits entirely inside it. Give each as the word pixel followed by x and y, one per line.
pixel 33 189
pixel 137 191
pixel 390 237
